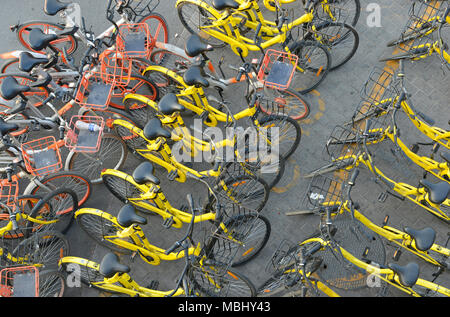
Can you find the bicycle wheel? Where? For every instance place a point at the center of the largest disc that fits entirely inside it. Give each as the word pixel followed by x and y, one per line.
pixel 195 18
pixel 140 111
pixel 67 42
pixel 206 281
pixel 245 190
pixel 52 283
pixel 347 11
pixel 252 231
pixel 111 154
pixel 123 189
pixel 287 137
pixel 10 66
pixel 157 25
pixel 87 274
pixel 53 207
pixel 314 63
pixel 79 183
pixel 45 248
pixel 169 59
pixel 341 39
pixel 284 102
pixel 138 84
pixel 98 227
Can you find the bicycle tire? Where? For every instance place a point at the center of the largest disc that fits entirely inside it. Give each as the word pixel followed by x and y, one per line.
pixel 81 185
pixel 59 201
pixel 26 204
pixel 308 75
pixel 169 59
pixel 97 227
pixel 123 189
pixel 161 24
pixel 52 283
pixel 91 164
pixel 46 26
pixel 271 173
pixel 228 284
pixel 245 190
pixel 327 37
pixel 286 102
pixel 138 84
pixel 87 274
pixel 289 131
pixel 202 14
pixel 140 111
pixel 355 17
pixel 255 238
pixel 45 248
pixel 12 62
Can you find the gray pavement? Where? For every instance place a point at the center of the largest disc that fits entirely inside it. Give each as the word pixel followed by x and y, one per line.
pixel 333 103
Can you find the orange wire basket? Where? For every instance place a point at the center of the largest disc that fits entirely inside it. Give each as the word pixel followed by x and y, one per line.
pixel 9 190
pixel 21 281
pixel 85 133
pixel 277 69
pixel 134 40
pixel 115 68
pixel 42 156
pixel 94 92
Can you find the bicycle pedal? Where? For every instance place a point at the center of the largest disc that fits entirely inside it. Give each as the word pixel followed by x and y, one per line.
pixel 385 221
pixel 172 175
pixel 153 285
pixel 382 197
pixel 397 255
pixel 168 222
pixel 415 148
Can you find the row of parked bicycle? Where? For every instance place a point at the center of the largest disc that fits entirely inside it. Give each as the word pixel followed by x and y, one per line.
pixel 348 253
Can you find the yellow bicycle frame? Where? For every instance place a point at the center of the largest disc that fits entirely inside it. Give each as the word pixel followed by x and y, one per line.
pixel 139 242
pixel 384 274
pixel 127 285
pixel 229 22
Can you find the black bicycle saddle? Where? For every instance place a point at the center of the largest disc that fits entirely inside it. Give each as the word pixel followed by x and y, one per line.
pixel 195 46
pixel 424 238
pixel 437 193
pixel 194 77
pixel 40 40
pixel 168 105
pixel 225 4
pixel 408 274
pixel 153 130
pixel 127 216
pixel 27 61
pixel 144 174
pixel 6 127
pixel 10 88
pixel 52 7
pixel 110 265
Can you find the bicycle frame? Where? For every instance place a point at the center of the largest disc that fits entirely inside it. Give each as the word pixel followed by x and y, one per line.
pixel 127 285
pixel 139 242
pixel 239 44
pixel 385 274
pixel 168 162
pixel 396 236
pixel 160 206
